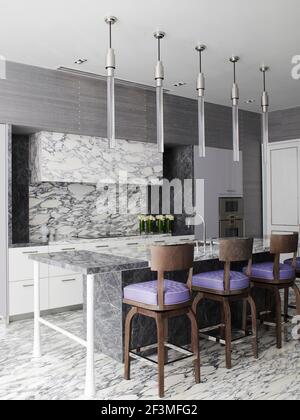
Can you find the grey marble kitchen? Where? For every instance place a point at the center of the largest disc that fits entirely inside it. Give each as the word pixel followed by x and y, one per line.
pixel 150 183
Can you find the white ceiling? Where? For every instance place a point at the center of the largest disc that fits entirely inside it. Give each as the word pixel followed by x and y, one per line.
pixel 52 33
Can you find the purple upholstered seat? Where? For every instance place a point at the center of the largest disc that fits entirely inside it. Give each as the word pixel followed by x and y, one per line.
pixel 215 280
pixel 146 292
pixel 290 260
pixel 265 271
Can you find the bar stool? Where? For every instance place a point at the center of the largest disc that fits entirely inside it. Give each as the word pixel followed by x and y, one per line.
pixel 163 299
pixel 226 286
pixel 275 276
pixel 286 294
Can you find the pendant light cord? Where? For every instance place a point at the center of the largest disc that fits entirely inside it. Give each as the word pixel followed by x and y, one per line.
pixel 158 49
pixel 110 35
pixel 200 61
pixel 234 73
pixel 264 80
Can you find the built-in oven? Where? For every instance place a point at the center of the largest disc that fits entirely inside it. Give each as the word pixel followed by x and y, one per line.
pixel 231 217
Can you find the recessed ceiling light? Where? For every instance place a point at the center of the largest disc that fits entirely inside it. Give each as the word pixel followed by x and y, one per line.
pixel 80 61
pixel 179 84
pixel 250 101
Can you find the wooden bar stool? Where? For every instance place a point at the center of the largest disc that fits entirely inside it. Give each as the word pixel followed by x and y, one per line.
pixel 226 286
pixel 286 292
pixel 163 299
pixel 275 276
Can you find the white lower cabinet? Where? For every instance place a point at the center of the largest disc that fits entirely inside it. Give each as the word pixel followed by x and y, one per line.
pixel 21 296
pixel 65 291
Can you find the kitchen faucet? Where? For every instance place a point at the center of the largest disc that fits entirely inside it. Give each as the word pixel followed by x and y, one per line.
pixel 202 222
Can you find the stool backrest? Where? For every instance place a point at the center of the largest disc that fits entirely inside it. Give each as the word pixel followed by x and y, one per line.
pixel 171 258
pixel 235 250
pixel 283 244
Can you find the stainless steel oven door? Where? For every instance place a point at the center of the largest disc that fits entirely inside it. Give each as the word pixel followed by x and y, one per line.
pixel 231 207
pixel 233 228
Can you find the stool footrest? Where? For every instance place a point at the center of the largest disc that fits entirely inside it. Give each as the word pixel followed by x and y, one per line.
pixel 136 354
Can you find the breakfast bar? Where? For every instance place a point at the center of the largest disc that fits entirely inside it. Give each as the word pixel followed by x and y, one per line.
pixel 104 277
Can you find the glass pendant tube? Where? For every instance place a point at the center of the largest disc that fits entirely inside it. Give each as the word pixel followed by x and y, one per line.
pixel 111 111
pixel 201 126
pixel 235 133
pixel 110 68
pixel 265 135
pixel 159 77
pixel 160 118
pixel 265 117
pixel 201 106
pixel 235 113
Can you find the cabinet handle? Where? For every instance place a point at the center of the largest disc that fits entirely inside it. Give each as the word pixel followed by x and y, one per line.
pixel 28 285
pixel 159 242
pixel 30 252
pixel 68 249
pixel 67 280
pixel 102 246
pixel 132 243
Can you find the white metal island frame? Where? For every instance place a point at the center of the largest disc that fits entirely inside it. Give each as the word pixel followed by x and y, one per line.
pixel 89 264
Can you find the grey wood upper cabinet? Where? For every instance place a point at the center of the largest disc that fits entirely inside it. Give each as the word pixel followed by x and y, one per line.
pixel 37 97
pixel 284 125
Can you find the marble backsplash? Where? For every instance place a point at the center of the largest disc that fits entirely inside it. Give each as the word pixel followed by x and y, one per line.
pixel 80 209
pixel 58 157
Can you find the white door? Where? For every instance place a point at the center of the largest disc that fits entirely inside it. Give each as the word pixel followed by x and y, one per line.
pixel 283 186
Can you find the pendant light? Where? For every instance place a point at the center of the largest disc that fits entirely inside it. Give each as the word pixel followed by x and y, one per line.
pixel 265 115
pixel 110 68
pixel 201 89
pixel 159 77
pixel 235 112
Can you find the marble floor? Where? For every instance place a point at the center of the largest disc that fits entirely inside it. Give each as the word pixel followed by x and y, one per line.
pixel 59 374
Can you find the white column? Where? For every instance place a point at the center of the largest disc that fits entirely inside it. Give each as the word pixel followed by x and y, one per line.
pixel 36 343
pixel 90 369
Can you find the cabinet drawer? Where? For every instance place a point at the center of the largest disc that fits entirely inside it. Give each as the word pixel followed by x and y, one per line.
pixel 21 267
pixel 65 291
pixel 57 271
pixel 21 296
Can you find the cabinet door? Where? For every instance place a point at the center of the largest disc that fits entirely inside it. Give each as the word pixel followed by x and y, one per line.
pixel 21 296
pixel 21 267
pixel 65 291
pixel 284 186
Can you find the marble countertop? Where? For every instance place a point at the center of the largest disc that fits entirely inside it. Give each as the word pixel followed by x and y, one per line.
pixel 87 262
pixel 122 258
pixel 75 240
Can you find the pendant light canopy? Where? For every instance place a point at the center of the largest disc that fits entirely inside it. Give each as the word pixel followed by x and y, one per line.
pixel 265 115
pixel 201 90
pixel 235 112
pixel 159 77
pixel 110 68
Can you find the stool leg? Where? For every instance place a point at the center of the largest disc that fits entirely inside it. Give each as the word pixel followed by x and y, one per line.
pixel 128 324
pixel 166 332
pixel 245 316
pixel 161 353
pixel 222 329
pixel 278 318
pixel 254 326
pixel 228 336
pixel 297 294
pixel 286 304
pixel 195 344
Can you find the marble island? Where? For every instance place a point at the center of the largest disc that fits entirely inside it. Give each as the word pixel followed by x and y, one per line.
pixel 119 266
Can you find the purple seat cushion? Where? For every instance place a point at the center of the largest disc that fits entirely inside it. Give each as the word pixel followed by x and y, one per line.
pixel 146 292
pixel 265 271
pixel 215 280
pixel 290 260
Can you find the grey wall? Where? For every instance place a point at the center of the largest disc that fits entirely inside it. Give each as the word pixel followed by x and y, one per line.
pixel 284 125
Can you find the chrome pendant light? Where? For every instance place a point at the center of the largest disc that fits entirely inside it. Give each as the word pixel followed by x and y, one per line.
pixel 201 89
pixel 110 68
pixel 265 115
pixel 235 112
pixel 159 77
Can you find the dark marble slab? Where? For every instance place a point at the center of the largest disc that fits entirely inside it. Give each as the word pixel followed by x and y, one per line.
pixel 87 262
